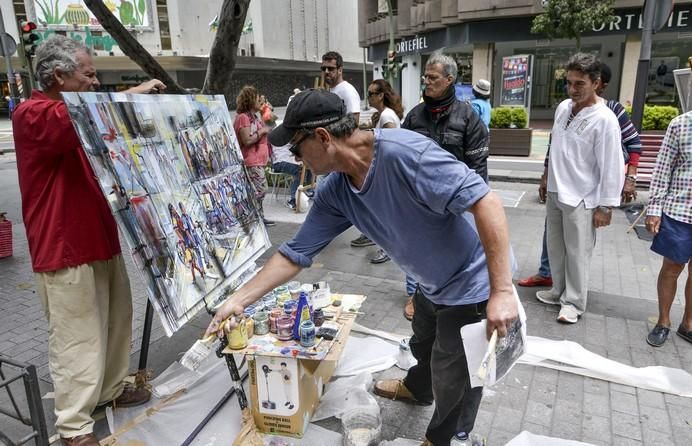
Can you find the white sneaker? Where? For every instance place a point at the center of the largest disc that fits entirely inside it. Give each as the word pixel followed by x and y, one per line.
pixel 568 315
pixel 547 297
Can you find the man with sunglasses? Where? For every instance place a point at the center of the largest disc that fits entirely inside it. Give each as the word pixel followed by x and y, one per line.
pixel 386 182
pixel 333 69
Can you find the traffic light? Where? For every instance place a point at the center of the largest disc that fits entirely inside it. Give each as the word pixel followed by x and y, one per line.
pixel 391 57
pixel 29 37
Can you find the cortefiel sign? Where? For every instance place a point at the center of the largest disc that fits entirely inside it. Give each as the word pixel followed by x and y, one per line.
pixel 515 88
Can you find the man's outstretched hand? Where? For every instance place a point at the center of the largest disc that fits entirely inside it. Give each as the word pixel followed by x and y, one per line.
pixel 151 86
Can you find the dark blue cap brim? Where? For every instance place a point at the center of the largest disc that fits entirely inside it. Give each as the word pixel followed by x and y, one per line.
pixel 281 136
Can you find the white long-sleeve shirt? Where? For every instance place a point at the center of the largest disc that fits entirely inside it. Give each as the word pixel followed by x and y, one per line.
pixel 586 161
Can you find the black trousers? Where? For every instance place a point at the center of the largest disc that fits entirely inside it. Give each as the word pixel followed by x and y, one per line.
pixel 442 373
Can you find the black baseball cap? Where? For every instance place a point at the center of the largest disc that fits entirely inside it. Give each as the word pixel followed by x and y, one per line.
pixel 309 109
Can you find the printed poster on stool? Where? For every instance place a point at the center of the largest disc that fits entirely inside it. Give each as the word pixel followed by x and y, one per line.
pixel 285 390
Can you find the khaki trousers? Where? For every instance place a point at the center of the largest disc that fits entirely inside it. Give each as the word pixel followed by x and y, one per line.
pixel 89 312
pixel 571 238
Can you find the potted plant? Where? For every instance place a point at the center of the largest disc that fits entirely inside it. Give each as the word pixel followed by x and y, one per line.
pixel 508 132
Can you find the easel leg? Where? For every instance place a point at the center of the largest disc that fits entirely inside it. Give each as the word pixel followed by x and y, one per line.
pixel 146 336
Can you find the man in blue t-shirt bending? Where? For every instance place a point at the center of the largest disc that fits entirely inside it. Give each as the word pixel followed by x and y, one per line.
pixel 395 185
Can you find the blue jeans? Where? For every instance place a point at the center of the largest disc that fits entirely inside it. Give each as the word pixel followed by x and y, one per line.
pixel 292 169
pixel 544 270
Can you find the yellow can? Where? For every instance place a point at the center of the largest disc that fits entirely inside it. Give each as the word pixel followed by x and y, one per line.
pixel 237 337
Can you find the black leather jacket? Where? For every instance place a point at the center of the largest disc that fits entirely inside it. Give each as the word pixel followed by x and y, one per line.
pixel 459 130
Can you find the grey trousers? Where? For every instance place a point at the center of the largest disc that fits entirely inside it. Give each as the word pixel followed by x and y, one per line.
pixel 571 239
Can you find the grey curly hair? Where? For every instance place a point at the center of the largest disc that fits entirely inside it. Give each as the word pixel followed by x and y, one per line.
pixel 57 52
pixel 449 66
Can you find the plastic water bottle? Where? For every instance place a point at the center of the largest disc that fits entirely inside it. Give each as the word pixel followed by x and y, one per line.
pixel 460 439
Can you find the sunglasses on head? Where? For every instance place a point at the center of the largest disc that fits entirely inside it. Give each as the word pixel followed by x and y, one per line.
pixel 295 147
pixel 328 69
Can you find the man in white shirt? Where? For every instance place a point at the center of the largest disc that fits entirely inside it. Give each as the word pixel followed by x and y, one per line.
pixel 585 176
pixel 333 69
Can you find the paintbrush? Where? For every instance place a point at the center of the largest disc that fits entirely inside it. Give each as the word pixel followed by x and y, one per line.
pixel 199 350
pixel 485 363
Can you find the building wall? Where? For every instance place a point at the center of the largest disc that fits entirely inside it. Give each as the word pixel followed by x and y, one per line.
pixel 306 29
pixel 498 28
pixel 189 25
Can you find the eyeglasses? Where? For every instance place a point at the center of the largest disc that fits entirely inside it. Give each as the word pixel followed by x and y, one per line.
pixel 295 148
pixel 328 69
pixel 431 78
pixel 373 93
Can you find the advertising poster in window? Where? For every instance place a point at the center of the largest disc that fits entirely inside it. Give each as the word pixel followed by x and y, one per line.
pixel 71 13
pixel 172 172
pixel 516 80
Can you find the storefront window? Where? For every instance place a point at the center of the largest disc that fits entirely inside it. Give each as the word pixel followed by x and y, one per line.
pixel 666 56
pixel 548 86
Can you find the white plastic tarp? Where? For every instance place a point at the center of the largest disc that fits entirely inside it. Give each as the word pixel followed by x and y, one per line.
pixel 571 357
pixel 172 423
pixel 526 438
pixel 368 354
pixel 343 394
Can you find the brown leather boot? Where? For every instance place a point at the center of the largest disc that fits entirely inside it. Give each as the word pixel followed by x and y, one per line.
pixel 81 440
pixel 396 390
pixel 132 396
pixel 409 309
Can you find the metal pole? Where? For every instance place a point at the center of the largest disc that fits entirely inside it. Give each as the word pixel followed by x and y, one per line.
pixel 146 336
pixel 642 78
pixel 364 105
pixel 391 65
pixel 14 92
pixel 33 397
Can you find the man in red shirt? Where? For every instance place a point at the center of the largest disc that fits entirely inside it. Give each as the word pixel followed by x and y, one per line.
pixel 75 251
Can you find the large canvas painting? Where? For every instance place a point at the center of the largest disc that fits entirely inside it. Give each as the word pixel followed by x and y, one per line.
pixel 172 171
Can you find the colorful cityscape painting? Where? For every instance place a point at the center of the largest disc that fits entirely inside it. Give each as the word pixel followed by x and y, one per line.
pixel 172 171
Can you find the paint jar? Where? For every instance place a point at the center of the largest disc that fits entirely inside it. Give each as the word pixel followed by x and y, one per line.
pixel 269 301
pixel 294 289
pixel 284 328
pixel 290 306
pixel 237 337
pixel 261 319
pixel 307 333
pixel 249 311
pixel 274 316
pixel 282 295
pixel 318 317
pixel 321 295
pixel 249 327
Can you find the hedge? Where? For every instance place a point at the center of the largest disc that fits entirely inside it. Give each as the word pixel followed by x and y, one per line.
pixel 508 118
pixel 656 117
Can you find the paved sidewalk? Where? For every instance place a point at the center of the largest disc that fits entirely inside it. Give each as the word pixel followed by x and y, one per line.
pixel 622 297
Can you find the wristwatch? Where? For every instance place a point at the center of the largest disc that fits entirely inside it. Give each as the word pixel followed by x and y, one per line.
pixel 631 178
pixel 605 209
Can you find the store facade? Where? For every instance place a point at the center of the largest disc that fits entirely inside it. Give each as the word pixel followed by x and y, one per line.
pixel 479 47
